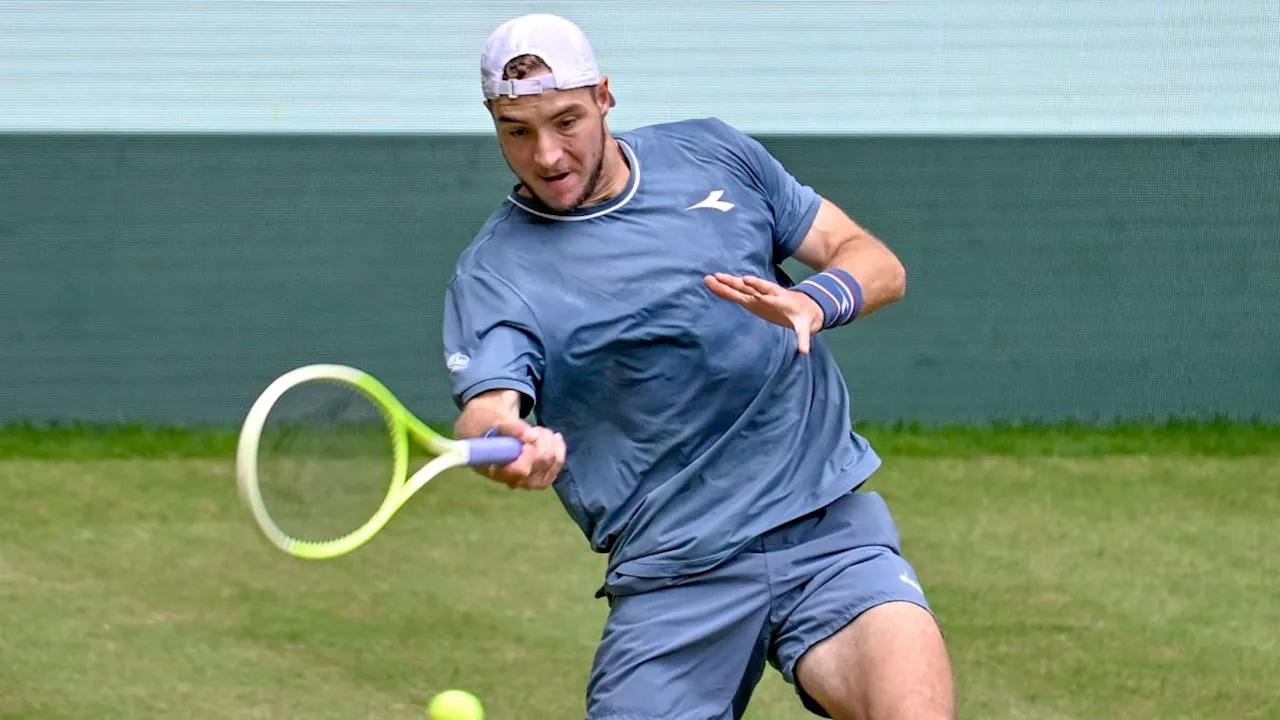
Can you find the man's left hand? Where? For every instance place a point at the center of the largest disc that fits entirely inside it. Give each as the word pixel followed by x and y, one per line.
pixel 771 301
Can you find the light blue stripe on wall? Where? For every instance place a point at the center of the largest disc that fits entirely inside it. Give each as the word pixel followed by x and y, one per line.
pixel 951 67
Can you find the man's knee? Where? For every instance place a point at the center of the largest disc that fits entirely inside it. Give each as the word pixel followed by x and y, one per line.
pixel 889 663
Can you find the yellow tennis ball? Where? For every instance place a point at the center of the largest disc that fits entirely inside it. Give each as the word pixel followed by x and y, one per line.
pixel 455 705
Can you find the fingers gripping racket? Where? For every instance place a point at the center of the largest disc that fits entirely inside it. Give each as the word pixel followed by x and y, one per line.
pixel 315 455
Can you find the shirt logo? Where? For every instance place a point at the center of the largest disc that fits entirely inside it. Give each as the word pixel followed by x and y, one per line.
pixel 713 202
pixel 907 579
pixel 456 362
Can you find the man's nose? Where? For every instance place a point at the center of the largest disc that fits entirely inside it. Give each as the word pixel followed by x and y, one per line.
pixel 548 152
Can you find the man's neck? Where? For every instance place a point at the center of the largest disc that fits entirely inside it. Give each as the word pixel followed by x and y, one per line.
pixel 617 171
pixel 620 170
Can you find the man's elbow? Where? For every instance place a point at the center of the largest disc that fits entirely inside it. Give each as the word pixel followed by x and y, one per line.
pixel 895 278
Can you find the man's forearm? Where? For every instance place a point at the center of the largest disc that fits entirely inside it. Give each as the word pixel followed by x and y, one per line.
pixel 857 274
pixel 878 272
pixel 858 277
pixel 485 411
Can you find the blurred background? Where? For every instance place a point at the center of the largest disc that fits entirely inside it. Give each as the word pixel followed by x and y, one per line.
pixel 1078 400
pixel 196 197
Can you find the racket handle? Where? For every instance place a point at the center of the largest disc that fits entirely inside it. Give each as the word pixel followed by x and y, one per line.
pixel 493 450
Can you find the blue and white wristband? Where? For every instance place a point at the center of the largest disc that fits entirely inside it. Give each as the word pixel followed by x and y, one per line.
pixel 837 293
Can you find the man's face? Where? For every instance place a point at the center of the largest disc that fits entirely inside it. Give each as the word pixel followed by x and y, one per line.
pixel 554 142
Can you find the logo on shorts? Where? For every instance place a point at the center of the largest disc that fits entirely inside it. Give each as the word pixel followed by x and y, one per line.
pixel 907 579
pixel 456 362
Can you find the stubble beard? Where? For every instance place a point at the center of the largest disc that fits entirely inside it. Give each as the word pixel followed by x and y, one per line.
pixel 589 187
pixel 593 179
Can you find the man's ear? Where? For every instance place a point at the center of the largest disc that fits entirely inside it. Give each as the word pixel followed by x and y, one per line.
pixel 603 97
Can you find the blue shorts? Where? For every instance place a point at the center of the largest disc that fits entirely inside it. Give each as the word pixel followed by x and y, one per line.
pixel 696 647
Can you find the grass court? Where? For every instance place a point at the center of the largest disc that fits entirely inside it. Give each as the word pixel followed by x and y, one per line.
pixel 1128 572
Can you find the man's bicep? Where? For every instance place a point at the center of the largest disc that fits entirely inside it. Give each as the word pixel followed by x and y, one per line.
pixel 491 341
pixel 819 244
pixel 832 232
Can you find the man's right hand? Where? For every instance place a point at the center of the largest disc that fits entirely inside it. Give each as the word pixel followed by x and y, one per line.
pixel 539 463
pixel 543 455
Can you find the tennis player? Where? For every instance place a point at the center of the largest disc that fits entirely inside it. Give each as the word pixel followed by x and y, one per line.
pixel 627 293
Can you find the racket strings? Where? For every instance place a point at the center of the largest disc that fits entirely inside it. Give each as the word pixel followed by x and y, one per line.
pixel 325 460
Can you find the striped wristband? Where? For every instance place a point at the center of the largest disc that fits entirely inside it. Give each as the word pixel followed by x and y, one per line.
pixel 837 293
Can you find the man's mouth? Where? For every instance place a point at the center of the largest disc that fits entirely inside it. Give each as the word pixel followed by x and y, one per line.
pixel 555 180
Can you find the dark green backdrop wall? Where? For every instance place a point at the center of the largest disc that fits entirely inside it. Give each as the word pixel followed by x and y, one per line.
pixel 169 278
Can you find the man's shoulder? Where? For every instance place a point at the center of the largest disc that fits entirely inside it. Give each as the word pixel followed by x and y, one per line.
pixel 697 130
pixel 698 140
pixel 484 253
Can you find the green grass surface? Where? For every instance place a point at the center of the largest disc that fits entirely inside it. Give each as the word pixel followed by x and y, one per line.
pixel 1121 573
pixel 1204 438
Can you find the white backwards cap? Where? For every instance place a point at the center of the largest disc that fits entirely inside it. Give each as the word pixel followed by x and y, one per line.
pixel 560 44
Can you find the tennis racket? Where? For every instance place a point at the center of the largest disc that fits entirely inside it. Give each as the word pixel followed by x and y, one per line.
pixel 324 455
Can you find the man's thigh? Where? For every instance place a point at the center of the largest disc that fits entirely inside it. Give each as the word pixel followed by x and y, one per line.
pixel 693 650
pixel 888 664
pixel 846 562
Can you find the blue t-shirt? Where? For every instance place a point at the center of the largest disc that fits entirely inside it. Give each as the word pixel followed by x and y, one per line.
pixel 691 424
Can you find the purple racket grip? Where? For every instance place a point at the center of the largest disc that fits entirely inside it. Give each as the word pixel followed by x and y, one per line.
pixel 493 450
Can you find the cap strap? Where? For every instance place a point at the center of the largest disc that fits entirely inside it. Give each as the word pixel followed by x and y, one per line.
pixel 526 86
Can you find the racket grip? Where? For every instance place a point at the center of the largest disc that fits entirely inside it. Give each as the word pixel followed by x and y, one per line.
pixel 493 450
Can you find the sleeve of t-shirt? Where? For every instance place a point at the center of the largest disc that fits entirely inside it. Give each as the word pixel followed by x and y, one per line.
pixel 491 340
pixel 794 204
